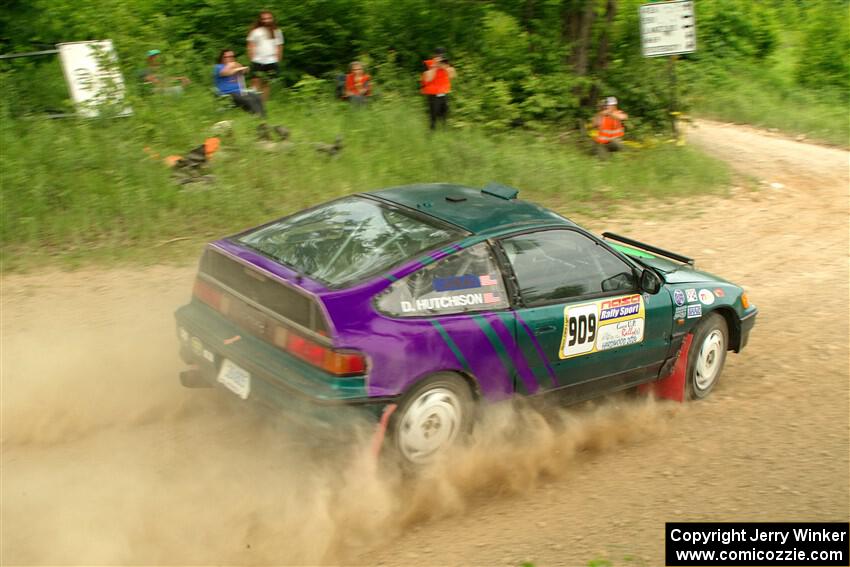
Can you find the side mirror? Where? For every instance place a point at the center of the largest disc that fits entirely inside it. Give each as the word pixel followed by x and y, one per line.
pixel 650 282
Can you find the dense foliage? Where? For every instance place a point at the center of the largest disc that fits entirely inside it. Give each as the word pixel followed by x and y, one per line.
pixel 825 55
pixel 526 62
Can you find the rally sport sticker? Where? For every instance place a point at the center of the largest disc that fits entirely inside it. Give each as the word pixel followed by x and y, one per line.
pixel 602 325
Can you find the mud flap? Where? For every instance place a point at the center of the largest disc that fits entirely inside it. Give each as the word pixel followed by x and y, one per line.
pixel 381 429
pixel 672 386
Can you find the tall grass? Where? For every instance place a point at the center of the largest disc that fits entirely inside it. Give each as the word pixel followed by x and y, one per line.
pixel 86 189
pixel 766 94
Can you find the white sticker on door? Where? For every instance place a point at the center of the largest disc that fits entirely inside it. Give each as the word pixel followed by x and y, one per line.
pixel 602 325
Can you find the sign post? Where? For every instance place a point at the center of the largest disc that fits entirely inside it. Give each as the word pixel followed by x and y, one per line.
pixel 668 29
pixel 94 80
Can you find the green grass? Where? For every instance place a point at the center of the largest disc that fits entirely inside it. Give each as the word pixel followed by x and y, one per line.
pixel 76 191
pixel 766 94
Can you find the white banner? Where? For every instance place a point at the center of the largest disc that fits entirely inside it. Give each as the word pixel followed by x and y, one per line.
pixel 91 71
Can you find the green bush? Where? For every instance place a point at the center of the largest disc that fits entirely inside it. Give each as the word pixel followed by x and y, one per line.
pixel 731 29
pixel 518 62
pixel 824 59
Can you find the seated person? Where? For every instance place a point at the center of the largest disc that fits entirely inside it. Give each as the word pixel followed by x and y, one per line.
pixel 229 76
pixel 609 123
pixel 155 81
pixel 358 85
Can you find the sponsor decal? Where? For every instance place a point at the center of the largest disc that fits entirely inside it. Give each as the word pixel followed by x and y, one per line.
pixel 453 283
pixel 449 302
pixel 621 307
pixel 706 297
pixel 487 279
pixel 602 325
pixel 197 346
pixel 691 294
pixel 678 297
pixel 694 311
pixel 681 312
pixel 719 292
pixel 620 334
pixel 467 281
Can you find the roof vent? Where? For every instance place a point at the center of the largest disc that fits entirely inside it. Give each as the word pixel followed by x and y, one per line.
pixel 455 198
pixel 500 191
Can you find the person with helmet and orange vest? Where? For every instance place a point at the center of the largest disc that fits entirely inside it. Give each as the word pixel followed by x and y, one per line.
pixel 436 85
pixel 609 125
pixel 358 85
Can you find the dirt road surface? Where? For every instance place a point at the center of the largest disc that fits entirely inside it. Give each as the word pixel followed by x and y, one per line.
pixel 107 460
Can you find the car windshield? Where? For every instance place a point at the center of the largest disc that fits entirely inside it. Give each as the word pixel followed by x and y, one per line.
pixel 348 240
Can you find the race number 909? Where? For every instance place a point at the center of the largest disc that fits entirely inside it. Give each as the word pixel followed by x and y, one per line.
pixel 580 330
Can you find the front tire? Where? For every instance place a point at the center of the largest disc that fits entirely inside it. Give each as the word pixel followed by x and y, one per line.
pixel 432 417
pixel 707 356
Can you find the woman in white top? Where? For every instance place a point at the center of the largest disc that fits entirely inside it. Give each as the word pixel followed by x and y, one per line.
pixel 265 50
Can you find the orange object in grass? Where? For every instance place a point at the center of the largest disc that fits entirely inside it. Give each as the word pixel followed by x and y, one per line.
pixel 211 146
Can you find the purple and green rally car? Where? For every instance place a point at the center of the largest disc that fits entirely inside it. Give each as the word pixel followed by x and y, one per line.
pixel 415 302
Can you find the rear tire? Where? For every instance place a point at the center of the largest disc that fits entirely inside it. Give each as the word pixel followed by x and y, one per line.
pixel 431 418
pixel 707 356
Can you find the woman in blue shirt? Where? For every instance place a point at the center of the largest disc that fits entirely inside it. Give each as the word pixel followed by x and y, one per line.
pixel 229 80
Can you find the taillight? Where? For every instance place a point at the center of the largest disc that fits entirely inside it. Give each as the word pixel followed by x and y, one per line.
pixel 305 349
pixel 344 363
pixel 329 360
pixel 208 293
pixel 340 363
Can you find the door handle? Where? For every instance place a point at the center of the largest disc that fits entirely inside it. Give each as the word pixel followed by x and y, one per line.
pixel 544 329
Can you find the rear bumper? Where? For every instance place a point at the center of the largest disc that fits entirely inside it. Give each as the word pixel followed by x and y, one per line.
pixel 747 323
pixel 277 379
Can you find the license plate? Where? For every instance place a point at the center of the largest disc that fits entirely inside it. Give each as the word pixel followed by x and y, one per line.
pixel 235 378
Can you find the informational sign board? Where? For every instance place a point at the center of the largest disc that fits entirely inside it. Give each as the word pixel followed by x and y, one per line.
pixel 94 80
pixel 668 28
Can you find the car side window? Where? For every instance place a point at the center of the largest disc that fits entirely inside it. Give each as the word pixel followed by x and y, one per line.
pixel 557 265
pixel 464 282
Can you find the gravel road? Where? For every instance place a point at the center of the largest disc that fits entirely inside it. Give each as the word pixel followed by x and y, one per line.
pixel 106 460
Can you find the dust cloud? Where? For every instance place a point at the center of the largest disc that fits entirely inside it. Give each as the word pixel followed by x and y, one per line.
pixel 106 459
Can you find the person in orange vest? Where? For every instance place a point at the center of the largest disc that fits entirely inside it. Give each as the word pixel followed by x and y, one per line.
pixel 358 85
pixel 609 124
pixel 436 86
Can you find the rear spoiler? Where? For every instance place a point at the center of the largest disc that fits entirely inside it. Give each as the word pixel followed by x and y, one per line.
pixel 648 248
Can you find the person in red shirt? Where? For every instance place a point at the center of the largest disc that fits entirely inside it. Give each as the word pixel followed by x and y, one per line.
pixel 358 85
pixel 609 124
pixel 436 86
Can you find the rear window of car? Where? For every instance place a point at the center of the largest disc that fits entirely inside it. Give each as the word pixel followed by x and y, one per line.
pixel 347 241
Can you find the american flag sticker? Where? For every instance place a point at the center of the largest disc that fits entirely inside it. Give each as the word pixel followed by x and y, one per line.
pixel 487 279
pixel 491 298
